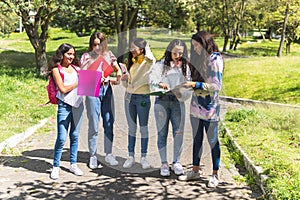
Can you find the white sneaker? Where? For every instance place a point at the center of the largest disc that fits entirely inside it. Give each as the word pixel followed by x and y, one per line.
pixel 190 175
pixel 213 181
pixel 93 162
pixel 74 169
pixel 110 158
pixel 165 170
pixel 177 168
pixel 55 173
pixel 129 162
pixel 145 164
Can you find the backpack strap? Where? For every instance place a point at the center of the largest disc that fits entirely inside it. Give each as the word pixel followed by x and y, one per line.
pixel 61 72
pixel 59 67
pixel 75 67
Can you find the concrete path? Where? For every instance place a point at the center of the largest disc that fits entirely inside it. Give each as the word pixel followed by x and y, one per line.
pixel 24 173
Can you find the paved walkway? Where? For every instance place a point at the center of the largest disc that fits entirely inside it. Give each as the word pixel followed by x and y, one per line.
pixel 24 174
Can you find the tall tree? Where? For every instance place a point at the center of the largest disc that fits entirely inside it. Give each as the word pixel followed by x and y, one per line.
pixel 227 22
pixel 126 13
pixel 36 17
pixel 240 12
pixel 286 16
pixel 290 11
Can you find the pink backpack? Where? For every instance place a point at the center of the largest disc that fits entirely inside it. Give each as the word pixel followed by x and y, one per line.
pixel 52 88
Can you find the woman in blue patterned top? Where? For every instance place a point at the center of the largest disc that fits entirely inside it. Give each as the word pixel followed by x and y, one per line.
pixel 207 71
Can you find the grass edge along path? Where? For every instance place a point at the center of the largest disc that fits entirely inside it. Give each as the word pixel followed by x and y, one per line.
pixel 264 141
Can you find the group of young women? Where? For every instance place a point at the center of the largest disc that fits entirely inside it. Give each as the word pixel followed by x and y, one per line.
pixel 175 74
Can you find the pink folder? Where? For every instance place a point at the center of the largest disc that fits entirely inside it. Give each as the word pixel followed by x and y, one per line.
pixel 100 62
pixel 89 82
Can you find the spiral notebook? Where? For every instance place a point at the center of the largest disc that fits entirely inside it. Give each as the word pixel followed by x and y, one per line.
pixel 89 83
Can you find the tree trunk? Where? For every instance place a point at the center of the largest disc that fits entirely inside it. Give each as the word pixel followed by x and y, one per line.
pixel 122 35
pixel 132 28
pixel 262 35
pixel 232 42
pixel 226 38
pixel 122 45
pixel 226 24
pixel 283 30
pixel 41 61
pixel 36 28
pixel 39 45
pixel 237 36
pixel 237 41
pixel 124 20
pixel 288 46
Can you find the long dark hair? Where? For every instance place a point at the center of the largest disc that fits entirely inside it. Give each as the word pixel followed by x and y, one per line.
pixel 58 57
pixel 168 55
pixel 103 41
pixel 199 63
pixel 140 43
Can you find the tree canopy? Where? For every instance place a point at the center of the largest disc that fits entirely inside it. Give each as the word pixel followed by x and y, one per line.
pixel 228 18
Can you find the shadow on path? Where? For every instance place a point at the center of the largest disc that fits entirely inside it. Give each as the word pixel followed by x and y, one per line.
pixel 104 183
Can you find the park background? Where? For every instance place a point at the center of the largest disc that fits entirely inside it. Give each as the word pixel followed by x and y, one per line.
pixel 260 40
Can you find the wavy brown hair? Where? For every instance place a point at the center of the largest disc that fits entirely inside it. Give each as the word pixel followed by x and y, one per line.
pixel 58 57
pixel 168 55
pixel 199 63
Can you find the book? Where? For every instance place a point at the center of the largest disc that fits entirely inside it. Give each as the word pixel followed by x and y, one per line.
pixel 100 64
pixel 89 82
pixel 181 92
pixel 158 92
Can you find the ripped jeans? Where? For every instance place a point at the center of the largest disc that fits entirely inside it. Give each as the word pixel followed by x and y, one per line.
pixel 168 108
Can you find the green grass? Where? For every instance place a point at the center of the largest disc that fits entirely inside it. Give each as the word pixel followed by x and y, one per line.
pixel 271 138
pixel 21 93
pixel 258 47
pixel 263 78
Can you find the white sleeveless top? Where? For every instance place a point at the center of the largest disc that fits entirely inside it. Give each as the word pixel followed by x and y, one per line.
pixel 71 97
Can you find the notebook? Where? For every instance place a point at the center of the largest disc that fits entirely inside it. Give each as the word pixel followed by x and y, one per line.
pixel 89 82
pixel 99 63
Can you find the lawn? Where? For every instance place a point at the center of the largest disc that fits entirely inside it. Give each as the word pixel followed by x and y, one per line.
pixel 264 78
pixel 271 138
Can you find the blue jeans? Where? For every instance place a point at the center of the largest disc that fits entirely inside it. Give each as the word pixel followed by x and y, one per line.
pixel 67 116
pixel 211 129
pixel 137 105
pixel 168 108
pixel 104 105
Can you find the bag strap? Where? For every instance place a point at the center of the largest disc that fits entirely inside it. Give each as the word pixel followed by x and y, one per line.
pixel 75 67
pixel 60 70
pixel 59 67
